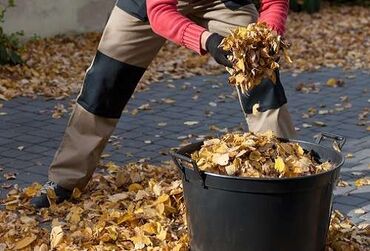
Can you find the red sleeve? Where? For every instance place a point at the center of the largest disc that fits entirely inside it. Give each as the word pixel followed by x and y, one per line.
pixel 274 13
pixel 167 22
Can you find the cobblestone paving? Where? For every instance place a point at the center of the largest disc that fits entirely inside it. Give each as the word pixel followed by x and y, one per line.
pixel 29 135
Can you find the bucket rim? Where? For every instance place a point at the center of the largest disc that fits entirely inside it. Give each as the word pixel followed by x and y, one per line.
pixel 283 179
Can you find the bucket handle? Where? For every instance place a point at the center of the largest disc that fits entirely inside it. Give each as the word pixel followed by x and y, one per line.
pixel 177 157
pixel 340 140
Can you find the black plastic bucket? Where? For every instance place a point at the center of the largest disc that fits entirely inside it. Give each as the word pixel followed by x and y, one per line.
pixel 226 213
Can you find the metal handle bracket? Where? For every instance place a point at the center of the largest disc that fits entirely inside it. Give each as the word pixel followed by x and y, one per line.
pixel 340 140
pixel 177 158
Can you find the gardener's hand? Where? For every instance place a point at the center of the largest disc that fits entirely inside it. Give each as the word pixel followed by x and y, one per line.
pixel 211 43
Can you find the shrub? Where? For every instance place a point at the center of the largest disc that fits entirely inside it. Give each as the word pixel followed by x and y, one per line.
pixel 9 43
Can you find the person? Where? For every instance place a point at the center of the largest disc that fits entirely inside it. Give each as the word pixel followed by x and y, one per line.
pixel 135 32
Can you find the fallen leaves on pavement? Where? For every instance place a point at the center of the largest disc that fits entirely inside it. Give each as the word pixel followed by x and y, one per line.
pixel 345 236
pixel 326 39
pixel 132 208
pixel 137 207
pixel 54 67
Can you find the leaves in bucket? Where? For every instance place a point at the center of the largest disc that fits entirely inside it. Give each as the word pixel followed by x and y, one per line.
pixel 108 216
pixel 256 155
pixel 255 52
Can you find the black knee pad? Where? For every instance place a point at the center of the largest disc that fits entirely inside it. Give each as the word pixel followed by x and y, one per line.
pixel 267 94
pixel 236 4
pixel 108 86
pixel 136 8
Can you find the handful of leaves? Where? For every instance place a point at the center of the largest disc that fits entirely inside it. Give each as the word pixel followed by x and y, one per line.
pixel 255 50
pixel 256 155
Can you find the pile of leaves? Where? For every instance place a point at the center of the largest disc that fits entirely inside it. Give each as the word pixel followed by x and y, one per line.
pixel 255 50
pixel 135 207
pixel 257 155
pixel 344 235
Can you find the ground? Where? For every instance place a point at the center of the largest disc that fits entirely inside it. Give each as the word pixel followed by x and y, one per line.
pixel 174 112
pixel 182 98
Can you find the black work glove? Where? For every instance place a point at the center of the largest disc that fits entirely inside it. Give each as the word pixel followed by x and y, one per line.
pixel 212 46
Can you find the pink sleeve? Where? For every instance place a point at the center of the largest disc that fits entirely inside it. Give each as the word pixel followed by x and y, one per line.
pixel 274 13
pixel 167 22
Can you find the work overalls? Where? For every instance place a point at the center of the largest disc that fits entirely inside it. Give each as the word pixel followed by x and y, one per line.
pixel 126 49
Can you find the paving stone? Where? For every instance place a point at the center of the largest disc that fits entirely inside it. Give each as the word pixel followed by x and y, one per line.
pixel 362 192
pixel 343 190
pixel 38 169
pixel 10 153
pixel 365 206
pixel 51 144
pixel 30 178
pixel 26 156
pixel 30 139
pixel 365 217
pixel 345 209
pixel 18 164
pixel 349 200
pixel 4 161
pixel 356 220
pixel 36 149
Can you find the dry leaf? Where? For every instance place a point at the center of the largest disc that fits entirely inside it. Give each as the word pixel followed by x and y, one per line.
pixel 25 242
pixel 221 159
pixel 333 82
pixel 255 109
pixel 76 194
pixel 56 236
pixel 118 197
pixel 10 176
pixel 319 123
pixel 32 190
pixel 191 123
pixel 279 165
pixel 362 182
